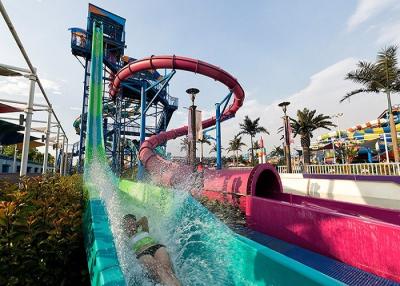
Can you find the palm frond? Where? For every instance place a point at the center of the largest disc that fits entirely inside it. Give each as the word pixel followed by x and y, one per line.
pixel 357 91
pixel 380 76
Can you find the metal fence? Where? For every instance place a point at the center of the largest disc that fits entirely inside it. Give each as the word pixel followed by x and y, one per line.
pixel 295 170
pixel 377 169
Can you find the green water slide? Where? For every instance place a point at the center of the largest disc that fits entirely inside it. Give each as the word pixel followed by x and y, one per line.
pixel 203 250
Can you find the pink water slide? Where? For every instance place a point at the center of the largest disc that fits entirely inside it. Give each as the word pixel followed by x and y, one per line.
pixel 363 236
pixel 163 171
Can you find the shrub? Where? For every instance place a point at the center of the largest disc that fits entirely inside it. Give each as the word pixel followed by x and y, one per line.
pixel 41 232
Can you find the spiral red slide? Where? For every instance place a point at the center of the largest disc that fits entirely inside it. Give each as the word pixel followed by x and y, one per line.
pixel 234 184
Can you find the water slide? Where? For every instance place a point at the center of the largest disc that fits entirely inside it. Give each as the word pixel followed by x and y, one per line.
pixel 203 250
pixel 367 131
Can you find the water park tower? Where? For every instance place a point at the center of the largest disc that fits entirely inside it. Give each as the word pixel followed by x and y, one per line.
pixel 123 124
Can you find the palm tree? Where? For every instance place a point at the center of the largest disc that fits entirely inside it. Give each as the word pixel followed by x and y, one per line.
pixel 235 145
pixel 307 122
pixel 380 76
pixel 279 153
pixel 184 144
pixel 202 141
pixel 214 148
pixel 251 128
pixel 185 147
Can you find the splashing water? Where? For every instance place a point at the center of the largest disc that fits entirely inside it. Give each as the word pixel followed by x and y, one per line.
pixel 203 250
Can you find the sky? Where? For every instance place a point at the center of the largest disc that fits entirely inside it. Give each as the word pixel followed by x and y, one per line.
pixel 296 51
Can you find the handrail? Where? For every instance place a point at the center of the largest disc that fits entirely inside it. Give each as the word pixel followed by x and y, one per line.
pixel 28 61
pixel 373 169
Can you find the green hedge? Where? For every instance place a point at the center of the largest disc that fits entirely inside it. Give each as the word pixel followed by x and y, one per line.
pixel 41 232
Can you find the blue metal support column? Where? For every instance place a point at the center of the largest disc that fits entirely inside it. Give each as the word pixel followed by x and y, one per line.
pixel 218 118
pixel 142 125
pixel 166 81
pixel 83 121
pixel 218 131
pixel 206 136
pixel 117 124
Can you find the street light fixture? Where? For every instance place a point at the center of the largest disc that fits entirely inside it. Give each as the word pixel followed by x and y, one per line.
pixel 287 139
pixel 192 92
pixel 337 115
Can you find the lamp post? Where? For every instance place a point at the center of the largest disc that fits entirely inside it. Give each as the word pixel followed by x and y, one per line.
pixel 337 115
pixel 287 139
pixel 393 131
pixel 192 92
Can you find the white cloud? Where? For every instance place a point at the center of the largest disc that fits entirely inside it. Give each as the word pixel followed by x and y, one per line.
pixel 11 87
pixel 323 93
pixel 51 87
pixel 367 9
pixel 389 34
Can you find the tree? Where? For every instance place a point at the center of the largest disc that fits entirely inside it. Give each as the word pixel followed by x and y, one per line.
pixel 277 152
pixel 235 145
pixel 307 122
pixel 256 145
pixel 214 148
pixel 202 141
pixel 382 76
pixel 185 147
pixel 33 155
pixel 251 128
pixel 8 150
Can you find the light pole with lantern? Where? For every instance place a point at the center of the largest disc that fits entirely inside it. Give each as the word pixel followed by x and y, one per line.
pixel 337 115
pixel 192 92
pixel 287 139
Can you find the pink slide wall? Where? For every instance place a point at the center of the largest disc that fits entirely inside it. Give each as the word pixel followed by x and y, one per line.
pixel 328 227
pixel 365 237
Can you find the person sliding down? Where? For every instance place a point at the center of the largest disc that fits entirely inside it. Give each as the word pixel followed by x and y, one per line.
pixel 152 255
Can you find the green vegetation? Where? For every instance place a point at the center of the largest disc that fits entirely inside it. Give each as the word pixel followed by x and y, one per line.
pixel 235 145
pixel 41 232
pixel 34 155
pixel 381 76
pixel 202 141
pixel 252 128
pixel 278 155
pixel 306 123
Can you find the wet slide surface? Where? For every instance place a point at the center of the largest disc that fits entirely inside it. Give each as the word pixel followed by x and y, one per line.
pixel 204 251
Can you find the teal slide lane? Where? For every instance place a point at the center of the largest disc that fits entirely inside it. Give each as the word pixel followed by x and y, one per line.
pixel 101 252
pixel 203 250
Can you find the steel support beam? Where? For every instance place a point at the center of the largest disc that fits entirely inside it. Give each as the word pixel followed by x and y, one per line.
pixel 62 154
pixel 28 123
pixel 46 147
pixel 83 124
pixel 14 168
pixel 218 117
pixel 142 125
pixel 66 159
pixel 218 134
pixel 57 143
pixel 22 102
pixel 166 80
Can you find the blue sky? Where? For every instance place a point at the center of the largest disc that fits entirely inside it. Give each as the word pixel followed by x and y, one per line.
pixel 278 50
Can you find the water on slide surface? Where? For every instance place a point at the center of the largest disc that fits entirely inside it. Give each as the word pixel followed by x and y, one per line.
pixel 203 250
